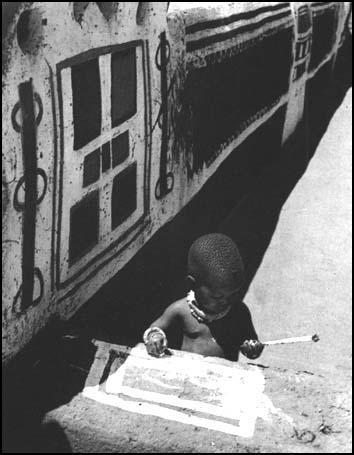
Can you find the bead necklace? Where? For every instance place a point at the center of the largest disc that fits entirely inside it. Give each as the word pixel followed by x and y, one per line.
pixel 199 314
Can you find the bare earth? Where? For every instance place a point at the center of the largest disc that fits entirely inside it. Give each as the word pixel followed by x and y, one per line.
pixel 305 280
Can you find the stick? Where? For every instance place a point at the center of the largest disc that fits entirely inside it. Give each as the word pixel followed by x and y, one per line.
pixel 292 340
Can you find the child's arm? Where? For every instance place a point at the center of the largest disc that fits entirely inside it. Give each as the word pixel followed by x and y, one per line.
pixel 167 318
pixel 154 337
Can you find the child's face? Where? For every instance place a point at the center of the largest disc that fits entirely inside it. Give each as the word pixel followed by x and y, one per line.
pixel 216 299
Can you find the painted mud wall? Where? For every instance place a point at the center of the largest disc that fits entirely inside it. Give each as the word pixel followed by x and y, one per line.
pixel 232 67
pixel 116 114
pixel 92 155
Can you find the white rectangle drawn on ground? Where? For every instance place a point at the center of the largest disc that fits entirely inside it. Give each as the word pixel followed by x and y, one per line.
pixel 188 390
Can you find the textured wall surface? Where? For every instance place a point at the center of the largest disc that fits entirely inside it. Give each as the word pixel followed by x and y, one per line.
pixel 115 115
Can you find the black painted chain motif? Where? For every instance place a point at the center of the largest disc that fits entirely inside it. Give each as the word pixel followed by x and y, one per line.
pixel 29 183
pixel 16 126
pixel 18 205
pixel 165 182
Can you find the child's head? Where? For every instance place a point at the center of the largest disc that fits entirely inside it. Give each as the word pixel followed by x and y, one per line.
pixel 216 269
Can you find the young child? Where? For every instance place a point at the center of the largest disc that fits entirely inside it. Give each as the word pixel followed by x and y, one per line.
pixel 212 319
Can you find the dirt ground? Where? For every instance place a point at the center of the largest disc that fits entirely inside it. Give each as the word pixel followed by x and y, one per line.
pixel 298 412
pixel 305 280
pixel 305 276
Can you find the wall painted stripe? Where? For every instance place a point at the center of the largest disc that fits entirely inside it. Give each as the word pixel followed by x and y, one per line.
pixel 214 23
pixel 203 42
pixel 29 149
pixel 320 4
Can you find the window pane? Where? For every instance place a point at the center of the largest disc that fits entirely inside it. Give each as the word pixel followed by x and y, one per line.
pixel 123 85
pixel 106 156
pixel 120 148
pixel 84 226
pixel 124 198
pixel 86 91
pixel 91 168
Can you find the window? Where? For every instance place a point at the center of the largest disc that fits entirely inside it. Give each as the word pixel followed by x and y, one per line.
pixel 103 158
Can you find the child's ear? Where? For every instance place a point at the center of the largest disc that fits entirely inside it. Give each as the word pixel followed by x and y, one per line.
pixel 190 281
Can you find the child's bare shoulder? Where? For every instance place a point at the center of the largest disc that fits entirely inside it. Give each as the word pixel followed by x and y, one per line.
pixel 179 307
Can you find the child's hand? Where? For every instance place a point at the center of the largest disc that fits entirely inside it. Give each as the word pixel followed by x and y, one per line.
pixel 252 348
pixel 155 346
pixel 155 341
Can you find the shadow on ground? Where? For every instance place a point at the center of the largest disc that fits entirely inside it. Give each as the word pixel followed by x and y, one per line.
pixel 243 200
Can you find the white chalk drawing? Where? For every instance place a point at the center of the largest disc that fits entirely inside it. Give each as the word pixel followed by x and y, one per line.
pixel 204 394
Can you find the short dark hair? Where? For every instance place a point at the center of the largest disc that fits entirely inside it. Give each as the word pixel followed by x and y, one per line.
pixel 215 258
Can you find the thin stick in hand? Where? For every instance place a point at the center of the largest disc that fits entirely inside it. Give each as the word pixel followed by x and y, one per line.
pixel 292 340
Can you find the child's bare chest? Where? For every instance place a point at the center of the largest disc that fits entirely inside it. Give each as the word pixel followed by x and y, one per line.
pixel 198 338
pixel 196 329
